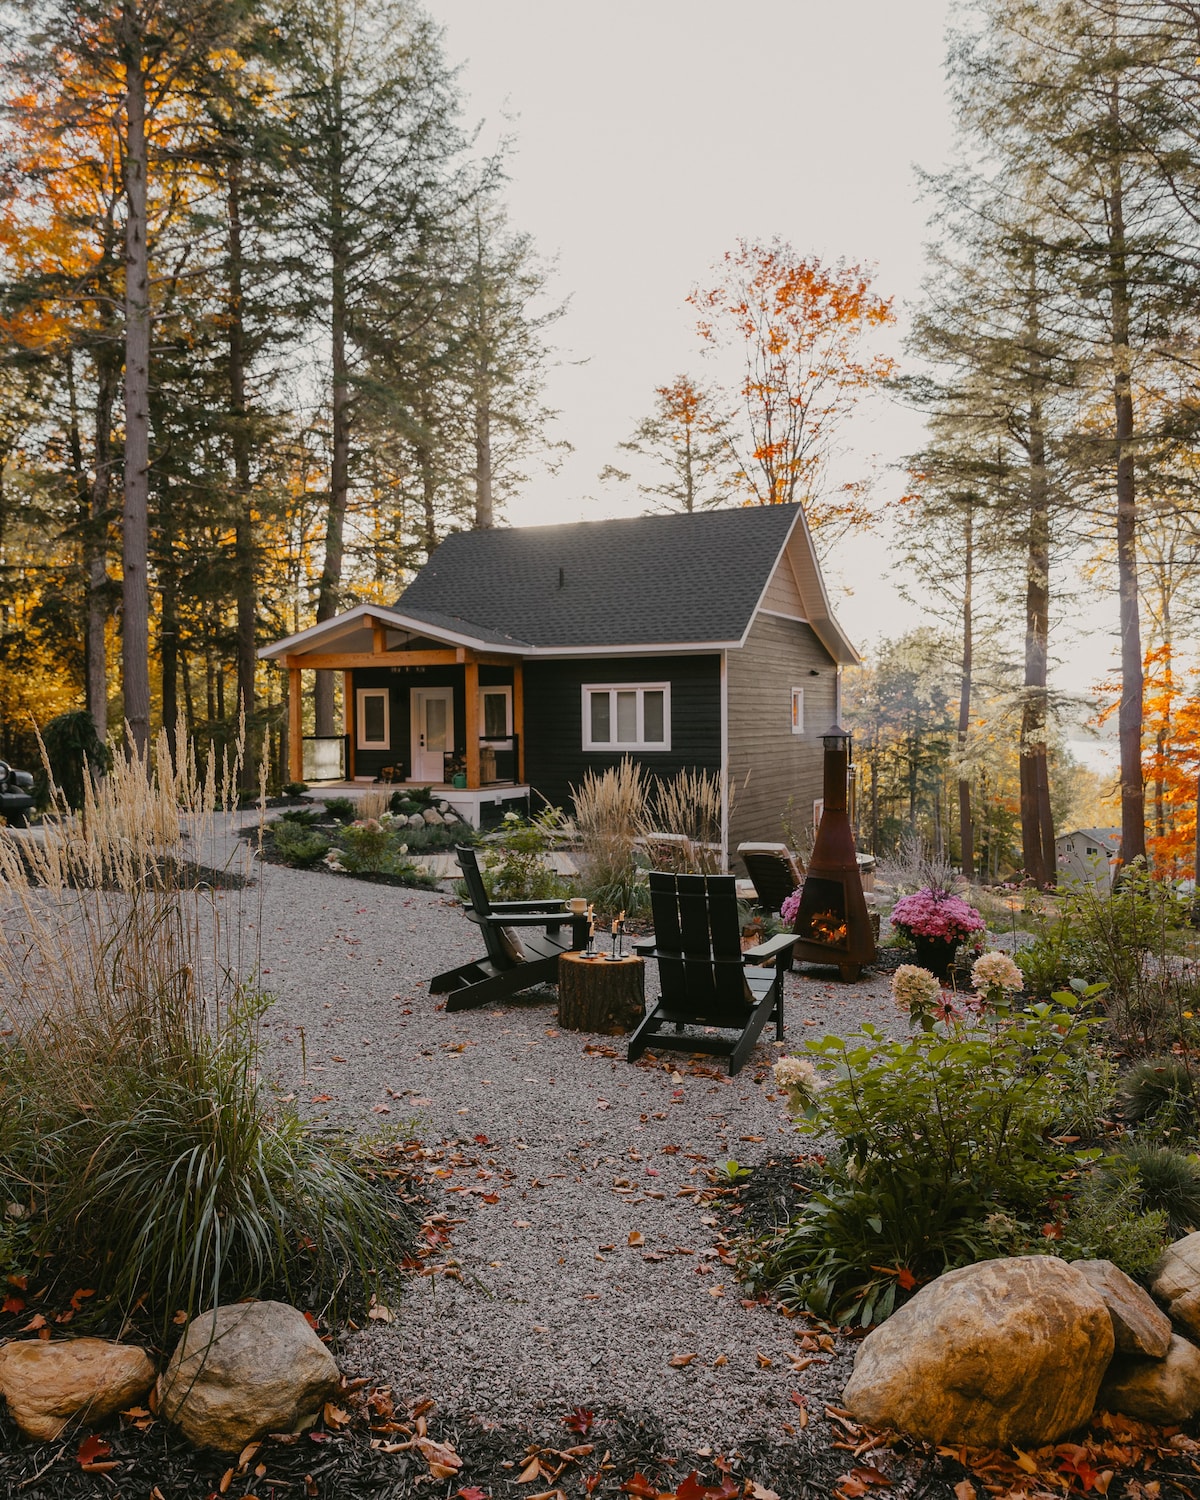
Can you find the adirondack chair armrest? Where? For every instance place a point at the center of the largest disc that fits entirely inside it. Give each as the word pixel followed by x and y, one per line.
pixel 644 946
pixel 772 948
pixel 524 918
pixel 499 907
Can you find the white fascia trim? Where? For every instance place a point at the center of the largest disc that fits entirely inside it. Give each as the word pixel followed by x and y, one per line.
pixel 387 617
pixel 799 516
pixel 725 793
pixel 778 614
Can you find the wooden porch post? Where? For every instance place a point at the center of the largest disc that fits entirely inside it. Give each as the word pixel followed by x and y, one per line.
pixel 471 678
pixel 519 716
pixel 295 727
pixel 349 706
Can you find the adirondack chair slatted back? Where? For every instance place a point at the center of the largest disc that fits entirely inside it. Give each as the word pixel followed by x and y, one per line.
pixel 468 863
pixel 698 943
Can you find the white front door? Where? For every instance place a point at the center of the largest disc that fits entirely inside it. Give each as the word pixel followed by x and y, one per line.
pixel 432 733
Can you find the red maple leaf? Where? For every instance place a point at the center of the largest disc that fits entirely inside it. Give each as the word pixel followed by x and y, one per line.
pixel 473 1493
pixel 92 1449
pixel 12 1304
pixel 693 1488
pixel 640 1486
pixel 580 1421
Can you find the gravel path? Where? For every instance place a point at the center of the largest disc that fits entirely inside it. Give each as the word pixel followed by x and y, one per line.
pixel 553 1152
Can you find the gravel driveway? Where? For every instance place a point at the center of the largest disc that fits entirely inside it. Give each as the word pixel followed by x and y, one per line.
pixel 552 1153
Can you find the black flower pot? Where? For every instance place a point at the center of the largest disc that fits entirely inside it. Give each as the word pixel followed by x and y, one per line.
pixel 936 954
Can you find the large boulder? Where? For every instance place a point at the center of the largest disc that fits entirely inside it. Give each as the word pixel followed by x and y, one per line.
pixel 242 1371
pixel 1140 1327
pixel 431 816
pixel 1155 1390
pixel 1177 1282
pixel 1006 1351
pixel 47 1384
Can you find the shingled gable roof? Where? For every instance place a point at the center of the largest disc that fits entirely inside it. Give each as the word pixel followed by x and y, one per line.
pixel 671 580
pixel 681 582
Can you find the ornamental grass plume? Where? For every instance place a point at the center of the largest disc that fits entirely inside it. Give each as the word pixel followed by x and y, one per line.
pixel 932 913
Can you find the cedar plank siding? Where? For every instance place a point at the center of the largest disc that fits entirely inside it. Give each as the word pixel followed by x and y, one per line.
pixel 554 756
pixel 778 656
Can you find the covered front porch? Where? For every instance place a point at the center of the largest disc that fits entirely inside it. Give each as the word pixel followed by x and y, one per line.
pixel 421 705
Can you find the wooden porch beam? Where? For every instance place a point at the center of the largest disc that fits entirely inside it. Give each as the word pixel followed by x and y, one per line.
pixel 471 672
pixel 519 716
pixel 349 709
pixel 295 726
pixel 344 660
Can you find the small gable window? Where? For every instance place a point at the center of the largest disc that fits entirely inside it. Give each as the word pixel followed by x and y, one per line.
pixel 797 710
pixel 627 716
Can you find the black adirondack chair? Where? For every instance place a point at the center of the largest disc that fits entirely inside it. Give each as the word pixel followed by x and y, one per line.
pixel 518 954
pixel 706 978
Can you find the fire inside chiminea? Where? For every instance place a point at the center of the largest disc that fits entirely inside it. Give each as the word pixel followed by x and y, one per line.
pixel 833 924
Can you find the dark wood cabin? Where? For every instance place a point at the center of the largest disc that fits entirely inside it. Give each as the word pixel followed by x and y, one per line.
pixel 520 658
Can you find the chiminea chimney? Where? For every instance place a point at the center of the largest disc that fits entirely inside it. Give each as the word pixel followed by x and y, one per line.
pixel 833 924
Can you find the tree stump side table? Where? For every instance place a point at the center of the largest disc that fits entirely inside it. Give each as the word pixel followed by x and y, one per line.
pixel 601 994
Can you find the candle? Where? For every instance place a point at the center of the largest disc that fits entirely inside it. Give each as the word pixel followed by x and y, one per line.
pixel 614 927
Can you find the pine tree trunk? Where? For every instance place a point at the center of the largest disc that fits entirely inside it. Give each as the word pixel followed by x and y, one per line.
pixel 135 539
pixel 1035 813
pixel 243 527
pixel 328 596
pixel 485 513
pixel 966 832
pixel 1129 715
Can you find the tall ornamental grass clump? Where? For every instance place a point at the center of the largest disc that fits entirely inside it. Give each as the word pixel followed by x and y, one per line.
pixel 141 1152
pixel 610 814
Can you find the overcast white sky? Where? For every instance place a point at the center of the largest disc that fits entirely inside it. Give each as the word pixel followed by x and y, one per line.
pixel 649 136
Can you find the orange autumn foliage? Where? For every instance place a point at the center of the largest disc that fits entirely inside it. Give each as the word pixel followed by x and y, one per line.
pixel 1171 761
pixel 801 328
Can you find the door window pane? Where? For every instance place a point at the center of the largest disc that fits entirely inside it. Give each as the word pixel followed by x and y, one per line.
pixel 374 725
pixel 601 719
pixel 435 724
pixel 627 718
pixel 653 718
pixel 495 715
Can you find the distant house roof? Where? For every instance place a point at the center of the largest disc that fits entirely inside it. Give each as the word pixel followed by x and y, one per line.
pixel 1109 836
pixel 681 580
pixel 669 581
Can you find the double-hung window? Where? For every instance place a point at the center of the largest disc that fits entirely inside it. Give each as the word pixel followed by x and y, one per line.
pixel 627 716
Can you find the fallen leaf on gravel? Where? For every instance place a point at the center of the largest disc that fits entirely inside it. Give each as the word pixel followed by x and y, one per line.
pixel 678 1361
pixel 580 1421
pixel 693 1489
pixel 521 1224
pixel 531 1471
pixel 759 1493
pixel 335 1417
pixel 639 1486
pixel 321 1098
pixel 12 1304
pixel 964 1490
pixel 716 1291
pixel 719 1361
pixel 379 1312
pixel 473 1493
pixel 636 1237
pixel 381 1109
pixel 763 1362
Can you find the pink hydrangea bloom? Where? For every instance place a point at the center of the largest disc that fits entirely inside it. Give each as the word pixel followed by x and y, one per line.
pixel 936 914
pixel 791 905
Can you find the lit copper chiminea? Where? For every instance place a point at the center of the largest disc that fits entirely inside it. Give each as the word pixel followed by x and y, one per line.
pixel 832 923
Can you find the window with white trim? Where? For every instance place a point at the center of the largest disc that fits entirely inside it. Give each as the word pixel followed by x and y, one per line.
pixel 373 719
pixel 797 710
pixel 496 712
pixel 627 716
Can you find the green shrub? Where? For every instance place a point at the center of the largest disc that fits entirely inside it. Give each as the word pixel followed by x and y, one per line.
pixel 515 868
pixel 1160 1093
pixel 74 751
pixel 300 817
pixel 370 848
pixel 1155 1179
pixel 1087 1101
pixel 295 788
pixel 299 846
pixel 933 1136
pixel 1108 1222
pixel 340 808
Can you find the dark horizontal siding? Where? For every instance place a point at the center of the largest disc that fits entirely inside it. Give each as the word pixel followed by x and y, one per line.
pixel 555 759
pixel 778 656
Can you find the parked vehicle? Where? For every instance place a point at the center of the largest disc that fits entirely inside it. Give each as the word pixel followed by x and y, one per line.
pixel 16 795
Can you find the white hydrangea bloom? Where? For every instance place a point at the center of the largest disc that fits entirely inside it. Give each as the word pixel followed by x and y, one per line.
pixel 912 985
pixel 996 971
